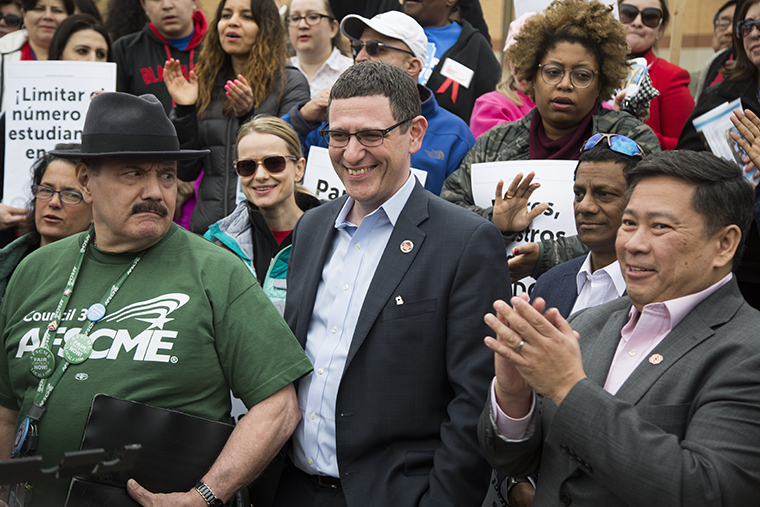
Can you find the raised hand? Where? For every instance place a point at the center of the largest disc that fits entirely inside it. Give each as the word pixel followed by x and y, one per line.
pixel 184 92
pixel 510 212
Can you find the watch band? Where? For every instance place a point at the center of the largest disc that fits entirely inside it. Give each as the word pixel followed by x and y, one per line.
pixel 208 495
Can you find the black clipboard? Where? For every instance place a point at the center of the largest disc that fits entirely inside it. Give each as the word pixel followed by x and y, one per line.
pixel 177 450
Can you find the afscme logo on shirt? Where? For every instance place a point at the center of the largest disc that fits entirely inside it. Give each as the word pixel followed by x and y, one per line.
pixel 149 345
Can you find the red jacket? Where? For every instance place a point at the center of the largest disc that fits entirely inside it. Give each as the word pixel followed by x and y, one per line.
pixel 669 111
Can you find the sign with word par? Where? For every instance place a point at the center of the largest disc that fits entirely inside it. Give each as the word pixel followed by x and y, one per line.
pixel 556 179
pixel 45 104
pixel 321 179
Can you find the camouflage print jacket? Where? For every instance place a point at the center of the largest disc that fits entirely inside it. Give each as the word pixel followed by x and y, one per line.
pixel 509 141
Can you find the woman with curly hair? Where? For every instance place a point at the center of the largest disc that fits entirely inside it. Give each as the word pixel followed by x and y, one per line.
pixel 241 73
pixel 574 56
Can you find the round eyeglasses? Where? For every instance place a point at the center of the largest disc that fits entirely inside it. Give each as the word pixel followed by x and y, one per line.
pixel 247 167
pixel 67 196
pixel 580 77
pixel 651 16
pixel 312 19
pixel 368 138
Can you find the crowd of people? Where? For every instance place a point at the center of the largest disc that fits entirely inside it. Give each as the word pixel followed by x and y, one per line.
pixel 172 256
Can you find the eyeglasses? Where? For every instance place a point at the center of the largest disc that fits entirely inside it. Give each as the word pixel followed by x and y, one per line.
pixel 11 20
pixel 744 27
pixel 67 196
pixel 721 24
pixel 369 138
pixel 580 77
pixel 311 19
pixel 373 47
pixel 247 166
pixel 651 16
pixel 617 143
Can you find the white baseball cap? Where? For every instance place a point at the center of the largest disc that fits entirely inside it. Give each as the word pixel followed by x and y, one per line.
pixel 394 24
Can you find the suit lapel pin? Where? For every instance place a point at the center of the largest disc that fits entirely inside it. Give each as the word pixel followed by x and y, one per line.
pixel 655 359
pixel 399 300
pixel 407 246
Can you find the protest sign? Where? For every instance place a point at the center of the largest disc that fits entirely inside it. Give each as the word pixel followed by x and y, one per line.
pixel 556 179
pixel 45 104
pixel 321 179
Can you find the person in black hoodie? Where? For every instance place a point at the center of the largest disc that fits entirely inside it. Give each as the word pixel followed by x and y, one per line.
pixel 461 65
pixel 175 31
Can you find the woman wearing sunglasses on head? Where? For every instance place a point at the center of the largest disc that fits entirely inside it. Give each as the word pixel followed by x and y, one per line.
pixel 574 56
pixel 646 21
pixel 242 71
pixel 269 163
pixel 57 210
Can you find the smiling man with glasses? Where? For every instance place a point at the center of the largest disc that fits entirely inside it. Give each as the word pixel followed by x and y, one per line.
pixel 395 38
pixel 384 289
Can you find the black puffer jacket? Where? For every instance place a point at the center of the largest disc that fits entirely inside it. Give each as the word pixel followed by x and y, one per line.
pixel 217 132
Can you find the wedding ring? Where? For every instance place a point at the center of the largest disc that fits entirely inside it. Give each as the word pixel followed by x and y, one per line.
pixel 509 196
pixel 520 346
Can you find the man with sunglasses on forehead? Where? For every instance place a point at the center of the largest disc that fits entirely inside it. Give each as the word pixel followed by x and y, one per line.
pixel 385 286
pixel 140 309
pixel 395 38
pixel 600 196
pixel 654 397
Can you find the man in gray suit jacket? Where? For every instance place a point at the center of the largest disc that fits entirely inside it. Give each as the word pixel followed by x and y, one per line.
pixel 386 292
pixel 654 398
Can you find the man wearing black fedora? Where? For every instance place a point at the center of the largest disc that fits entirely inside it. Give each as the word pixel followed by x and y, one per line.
pixel 140 309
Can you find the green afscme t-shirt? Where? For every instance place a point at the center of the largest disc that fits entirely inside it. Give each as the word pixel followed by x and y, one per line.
pixel 188 325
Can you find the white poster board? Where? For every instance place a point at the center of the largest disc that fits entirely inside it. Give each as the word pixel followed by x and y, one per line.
pixel 45 104
pixel 321 179
pixel 556 179
pixel 523 6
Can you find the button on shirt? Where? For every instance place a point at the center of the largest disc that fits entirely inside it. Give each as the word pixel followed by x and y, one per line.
pixel 598 287
pixel 641 334
pixel 348 271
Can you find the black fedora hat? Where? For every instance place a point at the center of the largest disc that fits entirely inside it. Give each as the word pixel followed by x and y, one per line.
pixel 125 126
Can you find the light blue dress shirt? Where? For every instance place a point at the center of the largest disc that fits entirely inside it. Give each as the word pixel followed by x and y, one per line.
pixel 348 271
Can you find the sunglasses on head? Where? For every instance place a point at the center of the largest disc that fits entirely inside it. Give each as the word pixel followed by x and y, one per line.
pixel 651 16
pixel 617 143
pixel 744 27
pixel 275 164
pixel 373 47
pixel 11 20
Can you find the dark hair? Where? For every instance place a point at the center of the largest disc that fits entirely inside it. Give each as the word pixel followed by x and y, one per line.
pixel 365 79
pixel 38 172
pixel 124 17
pixel 339 41
pixel 603 153
pixel 70 26
pixel 744 68
pixel 88 7
pixel 28 5
pixel 721 195
pixel 588 23
pixel 264 67
pixel 17 3
pixel 723 8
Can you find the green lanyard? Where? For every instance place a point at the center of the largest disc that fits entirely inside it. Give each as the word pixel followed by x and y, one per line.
pixel 78 348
